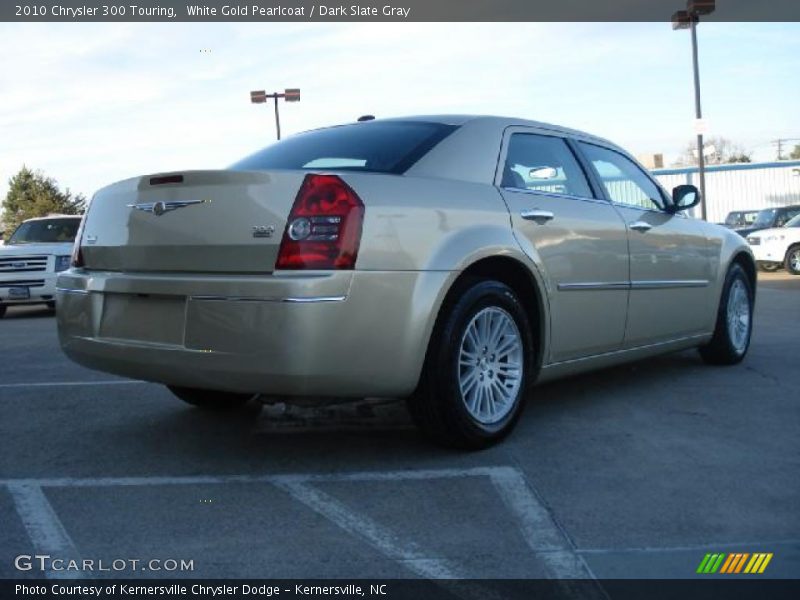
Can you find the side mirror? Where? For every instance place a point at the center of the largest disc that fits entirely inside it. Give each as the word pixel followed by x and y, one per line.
pixel 543 173
pixel 684 197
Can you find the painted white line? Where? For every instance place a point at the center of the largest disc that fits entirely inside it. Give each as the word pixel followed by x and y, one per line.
pixel 364 527
pixel 542 534
pixel 44 528
pixel 46 384
pixel 272 478
pixel 692 548
pixel 386 542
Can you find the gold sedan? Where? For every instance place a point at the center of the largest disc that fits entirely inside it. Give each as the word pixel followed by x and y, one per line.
pixel 452 260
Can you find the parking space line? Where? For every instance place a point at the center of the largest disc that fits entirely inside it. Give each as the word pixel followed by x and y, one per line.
pixel 541 533
pixel 45 384
pixel 44 528
pixel 364 527
pixel 270 478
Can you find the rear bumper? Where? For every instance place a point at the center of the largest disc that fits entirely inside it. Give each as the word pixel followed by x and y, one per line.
pixel 42 290
pixel 329 334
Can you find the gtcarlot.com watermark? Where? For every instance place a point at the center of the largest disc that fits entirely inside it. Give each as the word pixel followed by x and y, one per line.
pixel 46 563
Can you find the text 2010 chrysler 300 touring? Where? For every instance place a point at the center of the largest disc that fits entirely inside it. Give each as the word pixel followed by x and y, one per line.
pixel 452 260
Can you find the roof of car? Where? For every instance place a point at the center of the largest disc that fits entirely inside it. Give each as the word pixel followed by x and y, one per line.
pixel 500 121
pixel 54 217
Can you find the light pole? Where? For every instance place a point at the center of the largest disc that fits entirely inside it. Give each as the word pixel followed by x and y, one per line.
pixel 290 95
pixel 688 19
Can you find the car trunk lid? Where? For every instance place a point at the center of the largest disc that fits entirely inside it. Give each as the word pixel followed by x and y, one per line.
pixel 193 221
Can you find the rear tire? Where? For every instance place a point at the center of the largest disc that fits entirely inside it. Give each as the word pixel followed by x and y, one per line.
pixel 51 305
pixel 792 262
pixel 734 326
pixel 481 353
pixel 768 267
pixel 211 399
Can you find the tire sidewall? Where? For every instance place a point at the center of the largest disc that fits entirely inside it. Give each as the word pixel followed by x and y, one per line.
pixel 735 273
pixel 788 260
pixel 483 294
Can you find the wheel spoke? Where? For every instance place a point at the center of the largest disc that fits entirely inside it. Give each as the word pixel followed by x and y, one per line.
pixel 490 365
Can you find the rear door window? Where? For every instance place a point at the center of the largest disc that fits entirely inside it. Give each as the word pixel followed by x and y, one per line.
pixel 543 164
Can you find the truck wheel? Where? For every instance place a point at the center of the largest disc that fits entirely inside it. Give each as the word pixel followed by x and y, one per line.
pixel 768 267
pixel 474 382
pixel 211 399
pixel 792 262
pixel 734 321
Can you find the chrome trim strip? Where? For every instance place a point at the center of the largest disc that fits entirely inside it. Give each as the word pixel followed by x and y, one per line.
pixel 599 285
pixel 669 283
pixel 636 285
pixel 556 195
pixel 71 291
pixel 294 300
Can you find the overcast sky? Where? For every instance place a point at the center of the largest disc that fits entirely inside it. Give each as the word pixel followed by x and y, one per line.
pixel 93 103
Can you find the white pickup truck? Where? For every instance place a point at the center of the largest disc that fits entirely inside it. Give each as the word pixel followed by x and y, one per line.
pixel 32 257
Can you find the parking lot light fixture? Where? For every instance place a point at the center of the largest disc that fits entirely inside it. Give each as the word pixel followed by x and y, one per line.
pixel 289 95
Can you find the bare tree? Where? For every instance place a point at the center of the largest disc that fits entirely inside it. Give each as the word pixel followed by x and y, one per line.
pixel 719 150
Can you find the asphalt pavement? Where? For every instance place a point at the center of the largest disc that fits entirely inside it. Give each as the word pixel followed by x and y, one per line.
pixel 631 472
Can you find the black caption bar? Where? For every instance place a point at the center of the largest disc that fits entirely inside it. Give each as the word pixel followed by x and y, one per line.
pixel 388 10
pixel 407 589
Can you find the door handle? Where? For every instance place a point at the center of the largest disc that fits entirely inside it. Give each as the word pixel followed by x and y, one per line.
pixel 536 214
pixel 640 226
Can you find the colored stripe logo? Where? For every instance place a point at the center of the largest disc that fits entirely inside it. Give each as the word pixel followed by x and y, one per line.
pixel 736 562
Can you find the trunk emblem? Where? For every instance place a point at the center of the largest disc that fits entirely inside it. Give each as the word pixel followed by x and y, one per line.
pixel 263 231
pixel 160 207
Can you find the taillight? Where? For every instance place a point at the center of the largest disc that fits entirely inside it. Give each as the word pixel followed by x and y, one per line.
pixel 324 226
pixel 77 253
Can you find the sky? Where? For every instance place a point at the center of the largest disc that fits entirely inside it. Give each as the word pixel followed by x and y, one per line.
pixel 92 103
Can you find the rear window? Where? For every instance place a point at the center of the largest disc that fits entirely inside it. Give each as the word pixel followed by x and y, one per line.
pixel 46 231
pixel 377 146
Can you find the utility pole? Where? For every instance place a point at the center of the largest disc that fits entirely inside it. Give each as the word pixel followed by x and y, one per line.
pixel 779 143
pixel 289 95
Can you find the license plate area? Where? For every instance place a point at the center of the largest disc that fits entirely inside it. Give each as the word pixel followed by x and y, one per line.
pixel 19 293
pixel 144 318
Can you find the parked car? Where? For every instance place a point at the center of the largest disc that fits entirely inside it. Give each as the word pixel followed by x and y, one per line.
pixel 737 219
pixel 778 247
pixel 769 218
pixel 452 260
pixel 31 259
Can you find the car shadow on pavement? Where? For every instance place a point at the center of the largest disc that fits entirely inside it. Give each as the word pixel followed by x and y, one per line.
pixel 28 312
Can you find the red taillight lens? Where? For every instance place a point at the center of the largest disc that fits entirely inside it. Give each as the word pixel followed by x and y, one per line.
pixel 324 226
pixel 77 253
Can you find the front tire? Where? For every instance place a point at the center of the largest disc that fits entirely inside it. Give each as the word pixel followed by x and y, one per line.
pixel 475 378
pixel 734 326
pixel 768 267
pixel 211 399
pixel 2 311
pixel 792 262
